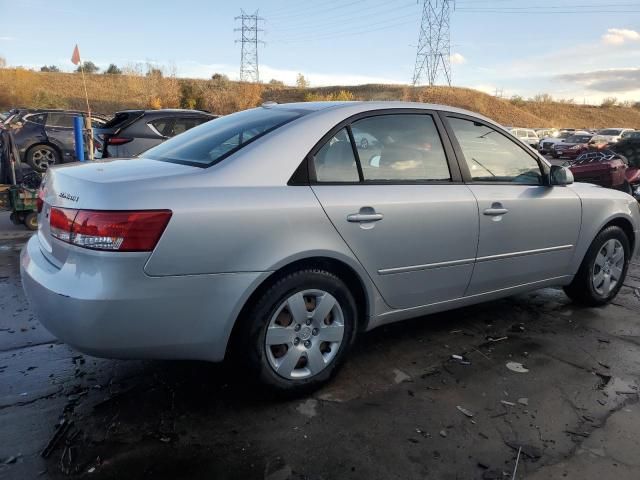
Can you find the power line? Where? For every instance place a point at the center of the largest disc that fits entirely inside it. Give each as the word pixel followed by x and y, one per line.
pixel 433 56
pixel 249 41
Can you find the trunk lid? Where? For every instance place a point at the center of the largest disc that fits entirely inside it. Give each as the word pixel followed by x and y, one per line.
pixel 102 185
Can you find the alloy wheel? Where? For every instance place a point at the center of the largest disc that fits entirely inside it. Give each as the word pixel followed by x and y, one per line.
pixel 304 334
pixel 42 158
pixel 608 267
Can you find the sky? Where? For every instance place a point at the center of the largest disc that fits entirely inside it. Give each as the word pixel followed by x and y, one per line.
pixel 584 50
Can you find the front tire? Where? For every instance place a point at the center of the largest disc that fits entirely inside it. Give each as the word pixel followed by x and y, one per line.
pixel 299 331
pixel 603 269
pixel 31 221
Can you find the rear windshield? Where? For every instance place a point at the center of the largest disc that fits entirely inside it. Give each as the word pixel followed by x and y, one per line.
pixel 121 118
pixel 611 131
pixel 211 142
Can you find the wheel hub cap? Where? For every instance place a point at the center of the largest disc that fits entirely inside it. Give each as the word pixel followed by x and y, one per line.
pixel 304 334
pixel 608 267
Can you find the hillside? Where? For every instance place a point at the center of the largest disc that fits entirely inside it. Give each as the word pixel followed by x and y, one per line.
pixel 109 93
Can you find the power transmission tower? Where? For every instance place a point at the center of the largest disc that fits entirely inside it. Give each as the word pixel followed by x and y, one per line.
pixel 434 43
pixel 249 29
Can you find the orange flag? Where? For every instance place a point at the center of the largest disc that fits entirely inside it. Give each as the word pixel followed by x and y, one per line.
pixel 75 58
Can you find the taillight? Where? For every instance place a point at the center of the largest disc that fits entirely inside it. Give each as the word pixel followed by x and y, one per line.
pixel 118 140
pixel 122 231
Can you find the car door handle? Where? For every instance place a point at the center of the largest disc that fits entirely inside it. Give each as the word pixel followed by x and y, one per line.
pixel 364 217
pixel 494 212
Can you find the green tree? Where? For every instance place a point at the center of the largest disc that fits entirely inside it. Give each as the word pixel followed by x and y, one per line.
pixel 302 82
pixel 49 68
pixel 113 69
pixel 88 66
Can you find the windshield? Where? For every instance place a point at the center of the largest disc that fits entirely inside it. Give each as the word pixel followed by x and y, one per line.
pixel 578 139
pixel 611 131
pixel 213 141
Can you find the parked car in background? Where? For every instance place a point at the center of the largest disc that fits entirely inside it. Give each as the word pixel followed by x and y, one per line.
pixel 601 167
pixel 547 144
pixel 547 132
pixel 572 147
pixel 527 135
pixel 599 142
pixel 44 137
pixel 630 134
pixel 270 237
pixel 131 132
pixel 629 149
pixel 613 134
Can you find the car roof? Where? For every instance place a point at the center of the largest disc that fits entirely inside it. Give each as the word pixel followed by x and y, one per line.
pixel 365 106
pixel 164 111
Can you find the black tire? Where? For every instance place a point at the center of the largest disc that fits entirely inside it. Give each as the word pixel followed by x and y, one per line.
pixel 251 346
pixel 31 221
pixel 555 155
pixel 41 157
pixel 581 289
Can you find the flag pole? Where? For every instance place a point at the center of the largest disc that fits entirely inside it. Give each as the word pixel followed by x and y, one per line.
pixel 86 97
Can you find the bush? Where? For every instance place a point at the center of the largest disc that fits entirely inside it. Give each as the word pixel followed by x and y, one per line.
pixel 88 67
pixel 49 69
pixel 113 69
pixel 340 96
pixel 609 102
pixel 542 98
pixel 518 101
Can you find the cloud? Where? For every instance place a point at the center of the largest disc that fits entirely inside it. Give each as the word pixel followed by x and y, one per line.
pixel 7 39
pixel 200 70
pixel 612 80
pixel 457 59
pixel 618 36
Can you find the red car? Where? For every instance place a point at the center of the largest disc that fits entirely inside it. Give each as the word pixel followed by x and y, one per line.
pixel 572 147
pixel 607 169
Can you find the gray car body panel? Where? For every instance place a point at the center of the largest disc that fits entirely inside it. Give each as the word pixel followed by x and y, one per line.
pixel 237 222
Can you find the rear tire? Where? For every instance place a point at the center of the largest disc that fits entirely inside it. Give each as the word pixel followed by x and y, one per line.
pixel 312 348
pixel 31 221
pixel 603 269
pixel 41 157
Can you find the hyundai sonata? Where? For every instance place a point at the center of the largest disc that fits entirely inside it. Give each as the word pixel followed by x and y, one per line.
pixel 272 234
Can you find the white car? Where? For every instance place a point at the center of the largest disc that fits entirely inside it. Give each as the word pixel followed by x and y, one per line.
pixel 613 135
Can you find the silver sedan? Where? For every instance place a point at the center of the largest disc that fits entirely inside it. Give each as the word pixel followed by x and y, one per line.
pixel 271 235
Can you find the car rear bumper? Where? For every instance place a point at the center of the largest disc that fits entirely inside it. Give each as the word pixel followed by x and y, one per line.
pixel 118 313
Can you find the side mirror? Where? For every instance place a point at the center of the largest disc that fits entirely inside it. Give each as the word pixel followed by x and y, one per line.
pixel 560 176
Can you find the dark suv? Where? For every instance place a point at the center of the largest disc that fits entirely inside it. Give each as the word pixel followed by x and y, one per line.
pixel 45 137
pixel 131 132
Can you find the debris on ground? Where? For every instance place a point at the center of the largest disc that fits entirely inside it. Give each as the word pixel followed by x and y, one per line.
pixel 400 377
pixel 461 359
pixel 517 327
pixel 578 434
pixel 529 451
pixel 523 401
pixel 61 431
pixel 507 403
pixel 11 459
pixel 517 367
pixel 493 340
pixel 423 433
pixel 465 411
pixel 515 469
pixel 443 433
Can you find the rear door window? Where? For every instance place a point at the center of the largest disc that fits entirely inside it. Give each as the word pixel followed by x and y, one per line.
pixel 162 127
pixel 183 124
pixel 402 147
pixel 60 120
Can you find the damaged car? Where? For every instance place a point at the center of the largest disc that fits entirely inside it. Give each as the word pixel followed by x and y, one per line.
pixel 272 237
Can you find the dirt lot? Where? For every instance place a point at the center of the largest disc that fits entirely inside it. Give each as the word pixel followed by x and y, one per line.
pixel 392 412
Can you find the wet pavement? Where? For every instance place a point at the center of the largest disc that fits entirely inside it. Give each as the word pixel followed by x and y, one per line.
pixel 401 408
